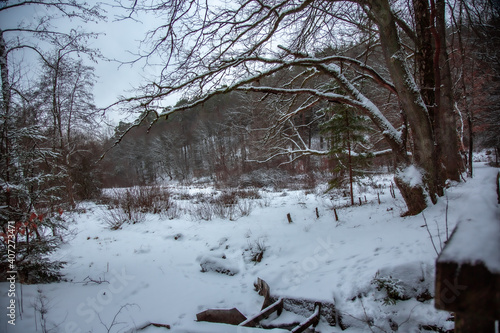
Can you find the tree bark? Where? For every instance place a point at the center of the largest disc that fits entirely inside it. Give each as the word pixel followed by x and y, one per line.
pixel 413 106
pixel 414 196
pixel 6 99
pixel 424 54
pixel 349 160
pixel 445 126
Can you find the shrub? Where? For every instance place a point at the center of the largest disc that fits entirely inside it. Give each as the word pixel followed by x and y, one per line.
pixel 392 287
pixel 245 207
pixel 131 205
pixel 249 194
pixel 34 241
pixel 115 218
pixel 255 251
pixel 173 212
pixel 202 211
pixel 152 199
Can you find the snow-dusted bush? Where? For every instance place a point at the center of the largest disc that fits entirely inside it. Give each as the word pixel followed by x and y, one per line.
pixel 265 201
pixel 264 178
pixel 392 287
pixel 255 250
pixel 115 218
pixel 130 205
pixel 404 282
pixel 147 199
pixel 203 211
pixel 34 240
pixel 173 212
pixel 245 207
pixel 226 205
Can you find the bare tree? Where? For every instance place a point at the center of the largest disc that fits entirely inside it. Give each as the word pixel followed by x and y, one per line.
pixel 476 63
pixel 66 97
pixel 30 189
pixel 210 49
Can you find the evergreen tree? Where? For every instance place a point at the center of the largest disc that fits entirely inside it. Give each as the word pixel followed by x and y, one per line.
pixel 347 135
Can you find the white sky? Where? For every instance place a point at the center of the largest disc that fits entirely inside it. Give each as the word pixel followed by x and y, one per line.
pixel 118 39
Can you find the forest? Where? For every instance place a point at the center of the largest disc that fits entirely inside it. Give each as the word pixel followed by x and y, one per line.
pixel 290 94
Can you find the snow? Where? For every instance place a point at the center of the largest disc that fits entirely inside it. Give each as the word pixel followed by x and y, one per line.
pixel 152 271
pixel 218 264
pixel 411 175
pixel 478 227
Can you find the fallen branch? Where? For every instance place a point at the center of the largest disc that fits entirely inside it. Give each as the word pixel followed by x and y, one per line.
pixel 88 280
pixel 152 324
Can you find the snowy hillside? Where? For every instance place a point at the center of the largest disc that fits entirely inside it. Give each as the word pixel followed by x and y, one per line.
pixel 377 267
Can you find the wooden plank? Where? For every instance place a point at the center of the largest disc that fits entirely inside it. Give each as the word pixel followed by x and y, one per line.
pixel 312 320
pixel 263 288
pixel 300 306
pixel 224 316
pixel 254 320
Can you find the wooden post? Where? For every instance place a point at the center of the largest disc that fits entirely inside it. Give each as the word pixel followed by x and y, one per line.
pixel 317 213
pixel 336 216
pixel 289 217
pixel 467 282
pixel 360 203
pixel 391 189
pixel 378 196
pixel 465 323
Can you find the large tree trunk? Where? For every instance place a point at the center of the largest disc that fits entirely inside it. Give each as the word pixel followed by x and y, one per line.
pixel 424 54
pixel 416 112
pixel 445 119
pixel 413 194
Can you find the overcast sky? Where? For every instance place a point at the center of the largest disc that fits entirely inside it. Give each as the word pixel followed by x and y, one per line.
pixel 118 38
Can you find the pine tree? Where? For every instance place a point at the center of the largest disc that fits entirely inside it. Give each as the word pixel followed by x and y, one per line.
pixel 347 135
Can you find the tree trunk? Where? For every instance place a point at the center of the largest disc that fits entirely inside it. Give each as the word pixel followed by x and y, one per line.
pixel 424 54
pixel 445 127
pixel 413 194
pixel 413 106
pixel 6 98
pixel 4 75
pixel 349 158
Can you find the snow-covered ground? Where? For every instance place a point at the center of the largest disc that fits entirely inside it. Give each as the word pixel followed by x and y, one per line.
pixel 152 271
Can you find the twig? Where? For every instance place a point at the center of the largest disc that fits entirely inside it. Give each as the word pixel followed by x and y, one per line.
pixel 409 316
pixel 430 235
pixel 439 236
pixel 152 324
pixel 114 322
pixel 446 219
pixel 367 320
pixel 88 280
pixel 364 320
pixel 92 280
